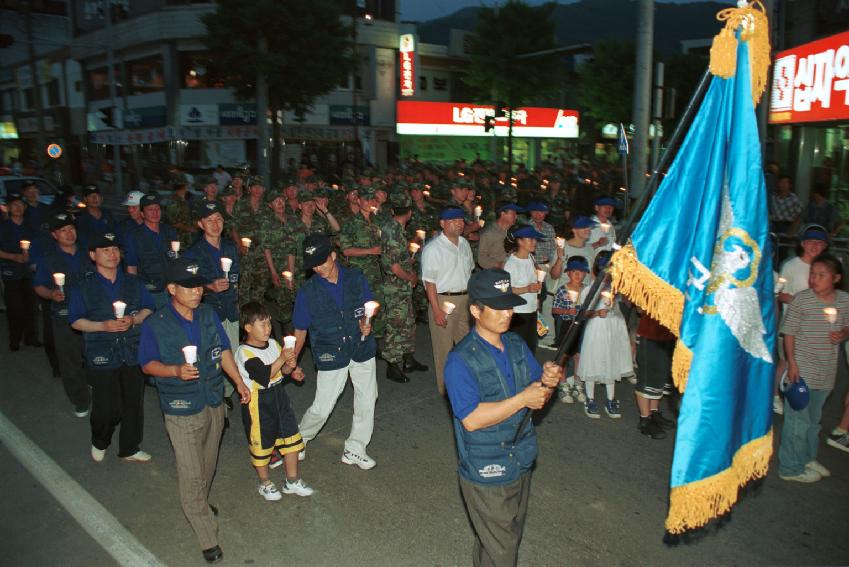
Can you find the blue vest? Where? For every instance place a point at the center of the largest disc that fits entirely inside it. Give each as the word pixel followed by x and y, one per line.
pixel 335 338
pixel 57 262
pixel 11 235
pixel 152 258
pixel 188 397
pixel 107 351
pixel 225 303
pixel 488 456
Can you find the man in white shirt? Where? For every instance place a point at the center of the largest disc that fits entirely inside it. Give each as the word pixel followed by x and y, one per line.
pixel 222 178
pixel 447 264
pixel 603 234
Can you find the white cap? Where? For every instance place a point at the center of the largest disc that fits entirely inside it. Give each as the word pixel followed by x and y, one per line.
pixel 133 199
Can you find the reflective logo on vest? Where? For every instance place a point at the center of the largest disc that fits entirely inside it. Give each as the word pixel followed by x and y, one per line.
pixel 215 354
pixel 180 404
pixel 100 360
pixel 327 357
pixel 492 471
pixel 359 312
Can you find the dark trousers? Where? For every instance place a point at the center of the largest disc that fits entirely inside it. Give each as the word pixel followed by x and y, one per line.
pixel 498 516
pixel 69 353
pixel 49 336
pixel 20 311
pixel 117 397
pixel 525 325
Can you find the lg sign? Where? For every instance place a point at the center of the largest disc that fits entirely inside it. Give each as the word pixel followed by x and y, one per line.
pixel 811 82
pixel 461 119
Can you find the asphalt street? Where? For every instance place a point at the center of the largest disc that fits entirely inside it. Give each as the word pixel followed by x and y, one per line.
pixel 598 497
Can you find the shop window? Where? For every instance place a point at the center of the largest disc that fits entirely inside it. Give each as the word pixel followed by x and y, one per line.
pixel 440 84
pixel 422 83
pixel 146 75
pixel 98 83
pixel 54 96
pixel 196 71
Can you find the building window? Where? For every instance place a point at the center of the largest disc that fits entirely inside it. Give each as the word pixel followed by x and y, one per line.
pixel 422 83
pixel 54 96
pixel 146 75
pixel 440 84
pixel 29 99
pixel 98 83
pixel 196 72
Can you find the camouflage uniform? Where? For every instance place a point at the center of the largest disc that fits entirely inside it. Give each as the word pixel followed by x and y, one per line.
pixel 177 212
pixel 398 293
pixel 359 233
pixel 255 278
pixel 276 238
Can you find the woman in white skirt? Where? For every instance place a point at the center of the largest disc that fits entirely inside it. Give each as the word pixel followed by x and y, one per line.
pixel 606 347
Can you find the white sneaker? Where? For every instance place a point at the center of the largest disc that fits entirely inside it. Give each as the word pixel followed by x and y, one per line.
pixel 807 477
pixel 363 461
pixel 269 491
pixel 817 467
pixel 580 395
pixel 298 487
pixel 777 405
pixel 632 380
pixel 97 454
pixel 547 346
pixel 138 457
pixel 303 454
pixel 82 412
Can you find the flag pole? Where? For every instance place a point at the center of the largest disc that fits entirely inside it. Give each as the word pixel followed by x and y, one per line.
pixel 639 208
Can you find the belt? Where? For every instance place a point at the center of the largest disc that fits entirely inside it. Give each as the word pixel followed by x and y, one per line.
pixel 453 293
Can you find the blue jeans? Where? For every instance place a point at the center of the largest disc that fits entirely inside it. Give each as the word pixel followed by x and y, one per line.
pixel 800 435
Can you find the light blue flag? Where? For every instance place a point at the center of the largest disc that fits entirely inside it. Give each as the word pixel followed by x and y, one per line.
pixel 700 263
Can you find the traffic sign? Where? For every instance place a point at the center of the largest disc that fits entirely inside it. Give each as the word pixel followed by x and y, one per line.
pixel 623 140
pixel 54 151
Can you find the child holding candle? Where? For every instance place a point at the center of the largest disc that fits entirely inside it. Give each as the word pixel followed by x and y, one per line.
pixel 520 244
pixel 606 347
pixel 565 310
pixel 269 419
pixel 812 332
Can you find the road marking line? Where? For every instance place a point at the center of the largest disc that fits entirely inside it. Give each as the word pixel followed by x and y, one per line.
pixel 82 506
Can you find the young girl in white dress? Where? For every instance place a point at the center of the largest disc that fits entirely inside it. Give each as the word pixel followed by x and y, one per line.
pixel 606 347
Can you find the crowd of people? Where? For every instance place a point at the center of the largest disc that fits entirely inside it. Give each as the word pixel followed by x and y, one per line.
pixel 213 299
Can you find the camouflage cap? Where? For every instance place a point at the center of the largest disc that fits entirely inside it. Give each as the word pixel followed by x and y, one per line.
pixel 227 192
pixel 304 194
pixel 272 194
pixel 400 199
pixel 256 180
pixel 365 192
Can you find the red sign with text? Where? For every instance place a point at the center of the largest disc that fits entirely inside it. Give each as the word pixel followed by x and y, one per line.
pixel 467 119
pixel 407 55
pixel 810 83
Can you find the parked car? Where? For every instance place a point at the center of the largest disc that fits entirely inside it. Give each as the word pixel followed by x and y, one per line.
pixel 14 184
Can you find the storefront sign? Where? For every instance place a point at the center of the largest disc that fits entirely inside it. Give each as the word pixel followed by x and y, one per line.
pixel 8 131
pixel 340 115
pixel 169 133
pixel 199 114
pixel 149 117
pixel 232 114
pixel 462 119
pixel 810 83
pixel 407 54
pixel 317 133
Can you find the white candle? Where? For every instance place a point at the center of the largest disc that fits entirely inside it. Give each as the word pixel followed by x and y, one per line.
pixel 289 342
pixel 190 353
pixel 175 245
pixel 779 286
pixel 226 264
pixel 481 222
pixel 287 275
pixel 540 276
pixel 830 315
pixel 370 308
pixel 448 307
pixel 605 227
pixel 59 279
pixel 414 247
pixel 608 298
pixel 420 234
pixel 573 295
pixel 25 245
pixel 561 242
pixel 119 307
pixel 478 211
pixel 246 242
pixel 426 193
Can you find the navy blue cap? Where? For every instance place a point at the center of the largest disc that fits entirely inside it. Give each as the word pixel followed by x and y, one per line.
pixel 107 240
pixel 184 272
pixel 317 248
pixel 451 213
pixel 149 199
pixel 13 197
pixel 605 201
pixel 815 233
pixel 537 206
pixel 527 231
pixel 510 207
pixel 577 263
pixel 583 222
pixel 493 289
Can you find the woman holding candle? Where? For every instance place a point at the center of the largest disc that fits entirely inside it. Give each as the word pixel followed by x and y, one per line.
pixel 16 235
pixel 520 244
pixel 606 347
pixel 817 321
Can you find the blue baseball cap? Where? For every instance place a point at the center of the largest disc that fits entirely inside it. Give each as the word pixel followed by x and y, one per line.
pixel 451 213
pixel 577 263
pixel 527 231
pixel 510 207
pixel 584 222
pixel 605 201
pixel 796 393
pixel 537 206
pixel 815 232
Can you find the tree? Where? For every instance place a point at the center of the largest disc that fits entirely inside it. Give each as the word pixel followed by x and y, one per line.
pixel 309 52
pixel 606 90
pixel 498 73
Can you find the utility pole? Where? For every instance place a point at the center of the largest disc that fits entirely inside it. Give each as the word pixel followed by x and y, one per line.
pixel 36 87
pixel 657 113
pixel 262 114
pixel 117 175
pixel 354 101
pixel 642 94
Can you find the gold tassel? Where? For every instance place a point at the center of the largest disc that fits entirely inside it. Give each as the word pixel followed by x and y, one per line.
pixel 682 358
pixel 693 505
pixel 755 31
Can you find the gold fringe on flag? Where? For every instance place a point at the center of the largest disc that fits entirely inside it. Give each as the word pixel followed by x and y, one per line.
pixel 681 360
pixel 695 504
pixel 755 31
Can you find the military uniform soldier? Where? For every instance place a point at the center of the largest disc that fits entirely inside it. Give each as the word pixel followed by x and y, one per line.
pixel 425 215
pixel 359 241
pixel 178 214
pixel 247 216
pixel 399 280
pixel 278 254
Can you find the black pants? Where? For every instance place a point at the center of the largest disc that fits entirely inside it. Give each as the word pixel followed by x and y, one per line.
pixel 20 311
pixel 525 325
pixel 117 397
pixel 49 336
pixel 69 352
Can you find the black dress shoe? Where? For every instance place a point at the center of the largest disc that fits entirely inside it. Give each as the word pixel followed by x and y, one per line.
pixel 413 365
pixel 394 373
pixel 213 554
pixel 661 421
pixel 214 510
